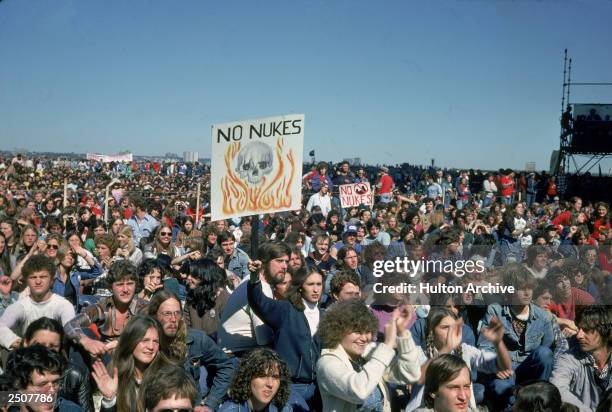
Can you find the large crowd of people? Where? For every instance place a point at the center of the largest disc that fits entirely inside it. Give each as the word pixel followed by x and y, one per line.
pixel 118 293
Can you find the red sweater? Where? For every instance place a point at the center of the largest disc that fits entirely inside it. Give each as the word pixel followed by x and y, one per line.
pixel 567 308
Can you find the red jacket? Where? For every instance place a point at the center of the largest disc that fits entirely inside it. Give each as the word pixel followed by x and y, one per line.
pixel 563 219
pixel 507 185
pixel 386 184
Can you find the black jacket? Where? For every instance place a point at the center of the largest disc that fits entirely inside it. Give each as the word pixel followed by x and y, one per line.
pixel 76 387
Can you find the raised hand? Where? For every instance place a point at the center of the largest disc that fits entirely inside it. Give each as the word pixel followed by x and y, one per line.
pixel 403 319
pixel 255 267
pixel 453 337
pixel 41 245
pixel 391 330
pixel 106 383
pixel 494 332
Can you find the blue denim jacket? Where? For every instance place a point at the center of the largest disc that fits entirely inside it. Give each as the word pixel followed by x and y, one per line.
pixel 75 277
pixel 238 262
pixel 532 186
pixel 203 351
pixel 539 331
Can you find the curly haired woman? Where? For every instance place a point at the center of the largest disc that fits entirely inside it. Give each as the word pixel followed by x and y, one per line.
pixel 261 383
pixel 352 371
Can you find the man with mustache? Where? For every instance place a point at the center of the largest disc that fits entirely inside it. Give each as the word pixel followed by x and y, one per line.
pixel 192 349
pixel 241 329
pixel 584 373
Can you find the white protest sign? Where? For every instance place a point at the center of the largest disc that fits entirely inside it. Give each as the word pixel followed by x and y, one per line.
pixel 122 157
pixel 256 166
pixel 355 194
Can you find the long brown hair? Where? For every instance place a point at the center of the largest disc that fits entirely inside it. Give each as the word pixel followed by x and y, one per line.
pixel 435 316
pixel 176 350
pixel 294 295
pixel 159 247
pixel 123 359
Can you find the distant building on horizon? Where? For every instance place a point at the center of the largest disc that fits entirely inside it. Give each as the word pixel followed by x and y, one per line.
pixel 190 156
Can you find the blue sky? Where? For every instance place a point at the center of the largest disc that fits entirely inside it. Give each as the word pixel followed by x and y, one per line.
pixel 469 83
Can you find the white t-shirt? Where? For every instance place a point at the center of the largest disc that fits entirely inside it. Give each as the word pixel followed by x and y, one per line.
pixel 240 329
pixel 324 202
pixel 18 316
pixel 312 314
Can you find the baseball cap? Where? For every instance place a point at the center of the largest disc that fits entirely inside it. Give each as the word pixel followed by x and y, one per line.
pixel 350 229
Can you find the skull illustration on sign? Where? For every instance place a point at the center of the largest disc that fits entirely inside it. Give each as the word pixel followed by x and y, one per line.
pixel 254 161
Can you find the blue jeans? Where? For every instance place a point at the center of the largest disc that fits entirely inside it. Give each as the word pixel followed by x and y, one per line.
pixel 530 198
pixel 511 251
pixel 507 200
pixel 301 395
pixel 538 366
pixel 447 200
pixel 385 198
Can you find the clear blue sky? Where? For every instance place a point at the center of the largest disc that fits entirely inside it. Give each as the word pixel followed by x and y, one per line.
pixel 469 83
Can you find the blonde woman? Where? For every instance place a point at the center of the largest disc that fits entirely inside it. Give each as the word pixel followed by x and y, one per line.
pixel 162 244
pixel 126 249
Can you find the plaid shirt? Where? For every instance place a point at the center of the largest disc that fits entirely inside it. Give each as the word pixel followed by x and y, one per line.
pixel 103 315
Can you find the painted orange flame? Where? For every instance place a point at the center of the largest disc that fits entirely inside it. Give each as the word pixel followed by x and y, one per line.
pixel 239 197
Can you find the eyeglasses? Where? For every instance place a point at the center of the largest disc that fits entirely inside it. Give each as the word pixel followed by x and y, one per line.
pixel 169 315
pixel 52 384
pixel 165 233
pixel 52 246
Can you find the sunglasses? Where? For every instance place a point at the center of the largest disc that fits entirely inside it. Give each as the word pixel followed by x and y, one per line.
pixel 5 282
pixel 50 246
pixel 165 233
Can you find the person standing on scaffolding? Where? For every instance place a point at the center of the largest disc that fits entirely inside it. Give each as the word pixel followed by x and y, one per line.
pixel 567 121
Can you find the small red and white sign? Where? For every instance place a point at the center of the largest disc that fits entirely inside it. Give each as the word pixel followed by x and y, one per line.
pixel 355 194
